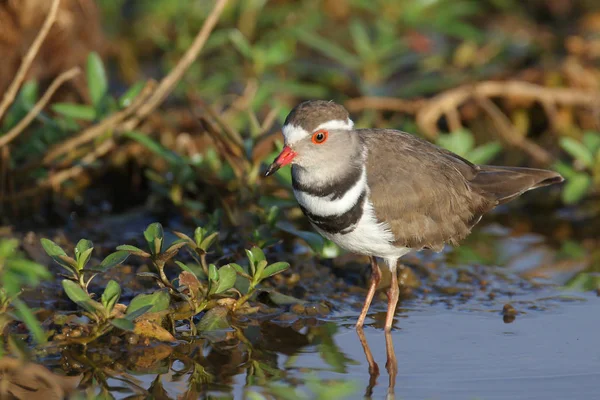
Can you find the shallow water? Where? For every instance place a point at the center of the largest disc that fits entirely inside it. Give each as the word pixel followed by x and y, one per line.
pixel 448 344
pixel 443 354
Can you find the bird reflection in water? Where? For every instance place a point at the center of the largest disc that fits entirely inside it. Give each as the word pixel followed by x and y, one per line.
pixel 391 364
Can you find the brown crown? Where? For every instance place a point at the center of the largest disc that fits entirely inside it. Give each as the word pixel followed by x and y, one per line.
pixel 310 114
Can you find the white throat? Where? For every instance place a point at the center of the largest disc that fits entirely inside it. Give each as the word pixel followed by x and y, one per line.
pixel 293 133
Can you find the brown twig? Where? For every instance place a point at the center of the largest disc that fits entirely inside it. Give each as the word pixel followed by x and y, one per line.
pixel 509 133
pixel 432 111
pixel 11 93
pixel 224 147
pixel 94 131
pixel 168 83
pixel 385 104
pixel 269 120
pixel 39 106
pixel 231 133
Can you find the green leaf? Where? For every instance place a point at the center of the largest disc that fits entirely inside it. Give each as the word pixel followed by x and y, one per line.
pixel 96 78
pixel 251 261
pixel 360 37
pixel 111 295
pixel 227 278
pixel 260 267
pixel 75 111
pixel 214 319
pixel 199 235
pixel 154 237
pixel 578 151
pixel 138 312
pixel 240 42
pixel 460 142
pixel 133 250
pixel 81 298
pixel 239 270
pixel 58 255
pixel 51 248
pixel 257 254
pixel 564 169
pixel 208 241
pixel 485 153
pixel 213 274
pixel 29 93
pixel 123 324
pixel 274 269
pixel 158 301
pixel 8 247
pixel 114 259
pixel 327 48
pixel 83 252
pixel 154 147
pixel 184 267
pixel 576 188
pixel 127 98
pixel 591 140
pixel 30 320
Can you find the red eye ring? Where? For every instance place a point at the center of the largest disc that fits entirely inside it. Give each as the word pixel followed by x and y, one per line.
pixel 320 136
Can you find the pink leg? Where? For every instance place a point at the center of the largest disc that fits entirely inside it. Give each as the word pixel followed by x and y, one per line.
pixel 375 278
pixel 373 367
pixel 392 364
pixel 393 293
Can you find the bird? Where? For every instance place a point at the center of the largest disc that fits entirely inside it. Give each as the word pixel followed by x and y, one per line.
pixel 383 193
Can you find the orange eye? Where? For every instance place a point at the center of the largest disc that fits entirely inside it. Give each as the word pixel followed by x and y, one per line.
pixel 319 136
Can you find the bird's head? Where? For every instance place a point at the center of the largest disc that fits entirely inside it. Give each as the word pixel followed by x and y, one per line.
pixel 316 134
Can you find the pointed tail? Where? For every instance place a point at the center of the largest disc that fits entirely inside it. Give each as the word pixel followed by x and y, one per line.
pixel 506 183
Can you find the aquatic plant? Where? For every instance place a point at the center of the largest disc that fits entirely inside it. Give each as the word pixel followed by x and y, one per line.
pixel 193 291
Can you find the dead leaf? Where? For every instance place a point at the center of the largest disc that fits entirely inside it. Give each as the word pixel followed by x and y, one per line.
pixel 152 330
pixel 191 282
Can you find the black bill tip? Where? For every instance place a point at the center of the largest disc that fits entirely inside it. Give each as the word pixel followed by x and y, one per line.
pixel 272 169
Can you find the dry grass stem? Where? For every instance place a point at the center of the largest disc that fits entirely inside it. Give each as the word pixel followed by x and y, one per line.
pixel 429 114
pixel 509 133
pixel 39 106
pixel 384 104
pixel 13 89
pixel 231 133
pixel 94 131
pixel 168 83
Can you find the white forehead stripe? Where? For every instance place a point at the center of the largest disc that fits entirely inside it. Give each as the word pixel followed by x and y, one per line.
pixel 293 133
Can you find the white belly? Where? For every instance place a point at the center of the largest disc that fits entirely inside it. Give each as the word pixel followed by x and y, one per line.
pixel 368 238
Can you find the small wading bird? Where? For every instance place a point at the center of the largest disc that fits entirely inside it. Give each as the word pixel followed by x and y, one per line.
pixel 383 193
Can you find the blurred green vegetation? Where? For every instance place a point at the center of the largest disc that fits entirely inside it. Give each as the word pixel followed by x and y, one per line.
pixel 200 156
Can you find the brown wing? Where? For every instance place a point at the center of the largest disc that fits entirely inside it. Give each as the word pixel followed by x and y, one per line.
pixel 430 196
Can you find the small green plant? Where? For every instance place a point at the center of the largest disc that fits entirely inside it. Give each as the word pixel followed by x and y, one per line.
pixel 102 312
pixel 102 104
pixel 16 275
pixel 584 173
pixel 462 143
pixel 199 246
pixel 77 268
pixel 154 236
pixel 204 286
pixel 258 270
